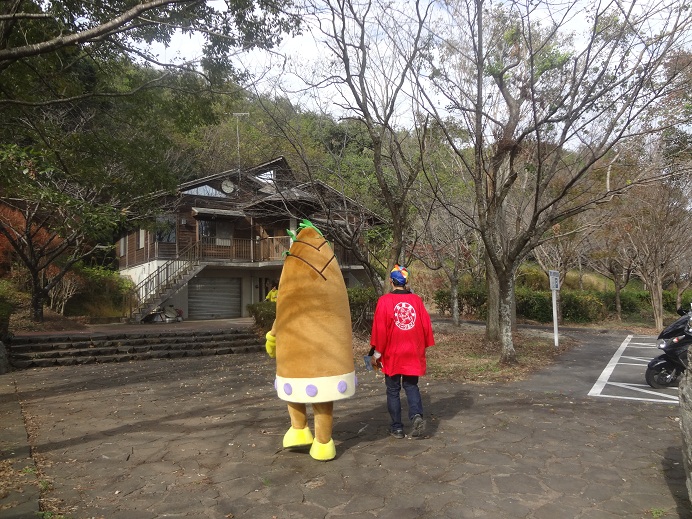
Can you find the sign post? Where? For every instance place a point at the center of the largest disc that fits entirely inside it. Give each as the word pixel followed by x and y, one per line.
pixel 554 287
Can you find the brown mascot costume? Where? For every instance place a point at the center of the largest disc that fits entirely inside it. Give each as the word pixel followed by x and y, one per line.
pixel 311 340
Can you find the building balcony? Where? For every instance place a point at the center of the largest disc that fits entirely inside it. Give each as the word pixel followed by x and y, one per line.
pixel 240 250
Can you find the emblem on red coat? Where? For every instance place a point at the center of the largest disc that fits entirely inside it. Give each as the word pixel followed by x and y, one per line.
pixel 404 316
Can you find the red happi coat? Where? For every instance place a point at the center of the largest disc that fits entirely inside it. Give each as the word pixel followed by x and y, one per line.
pixel 401 330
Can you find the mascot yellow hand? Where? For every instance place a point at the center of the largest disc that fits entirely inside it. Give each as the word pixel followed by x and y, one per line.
pixel 270 345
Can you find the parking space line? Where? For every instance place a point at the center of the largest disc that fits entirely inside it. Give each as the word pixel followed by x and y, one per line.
pixel 619 358
pixel 597 388
pixel 636 387
pixel 639 399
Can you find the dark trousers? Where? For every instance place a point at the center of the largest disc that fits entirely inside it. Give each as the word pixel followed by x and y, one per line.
pixel 415 404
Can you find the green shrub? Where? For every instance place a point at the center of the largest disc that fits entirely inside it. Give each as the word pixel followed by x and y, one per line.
pixel 631 301
pixel 264 314
pixel 686 299
pixel 534 305
pixel 362 301
pixel 582 307
pixel 473 301
pixel 669 297
pixel 530 275
pixel 443 301
pixel 103 294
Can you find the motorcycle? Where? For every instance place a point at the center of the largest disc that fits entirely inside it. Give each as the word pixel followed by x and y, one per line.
pixel 666 369
pixel 164 315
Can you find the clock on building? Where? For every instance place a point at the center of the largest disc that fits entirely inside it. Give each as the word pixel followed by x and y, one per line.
pixel 227 186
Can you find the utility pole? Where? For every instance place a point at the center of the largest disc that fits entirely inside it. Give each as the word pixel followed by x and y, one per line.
pixel 237 133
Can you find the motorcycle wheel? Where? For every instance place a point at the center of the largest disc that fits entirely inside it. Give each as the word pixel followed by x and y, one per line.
pixel 660 378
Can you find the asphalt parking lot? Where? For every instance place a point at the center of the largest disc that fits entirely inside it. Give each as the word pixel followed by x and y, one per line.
pixel 201 438
pixel 623 376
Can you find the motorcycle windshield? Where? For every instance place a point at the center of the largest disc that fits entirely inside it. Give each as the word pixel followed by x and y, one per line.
pixel 676 328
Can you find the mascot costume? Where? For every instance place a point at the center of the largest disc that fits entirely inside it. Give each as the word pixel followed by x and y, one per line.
pixel 311 341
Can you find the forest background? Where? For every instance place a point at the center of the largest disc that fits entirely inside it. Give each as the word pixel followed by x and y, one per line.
pixel 496 140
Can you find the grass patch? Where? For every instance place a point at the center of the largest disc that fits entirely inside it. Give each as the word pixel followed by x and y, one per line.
pixel 463 354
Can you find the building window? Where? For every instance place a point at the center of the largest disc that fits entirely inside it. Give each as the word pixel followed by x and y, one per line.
pixel 207 228
pixel 205 190
pixel 141 237
pixel 165 229
pixel 216 232
pixel 266 177
pixel 122 246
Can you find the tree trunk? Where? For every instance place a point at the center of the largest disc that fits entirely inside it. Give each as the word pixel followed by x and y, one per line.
pixel 514 312
pixel 454 293
pixel 508 354
pixel 37 299
pixel 492 328
pixel 678 297
pixel 656 292
pixel 618 302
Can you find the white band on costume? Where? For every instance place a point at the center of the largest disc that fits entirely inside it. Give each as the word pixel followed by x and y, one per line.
pixel 316 389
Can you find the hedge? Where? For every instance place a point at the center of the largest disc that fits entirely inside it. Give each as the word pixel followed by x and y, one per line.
pixel 582 307
pixel 578 306
pixel 536 305
pixel 472 301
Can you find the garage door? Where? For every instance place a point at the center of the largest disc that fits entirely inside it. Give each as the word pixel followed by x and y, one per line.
pixel 214 298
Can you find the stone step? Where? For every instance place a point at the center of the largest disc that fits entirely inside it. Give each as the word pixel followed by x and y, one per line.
pixel 127 357
pixel 63 350
pixel 62 343
pixel 77 338
pixel 97 349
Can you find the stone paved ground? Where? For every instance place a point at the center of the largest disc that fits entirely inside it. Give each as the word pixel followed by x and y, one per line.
pixel 201 438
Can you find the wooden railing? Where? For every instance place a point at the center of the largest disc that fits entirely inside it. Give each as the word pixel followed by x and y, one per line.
pixel 241 249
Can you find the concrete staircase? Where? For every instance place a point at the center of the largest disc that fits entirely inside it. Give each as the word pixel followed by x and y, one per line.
pixel 64 350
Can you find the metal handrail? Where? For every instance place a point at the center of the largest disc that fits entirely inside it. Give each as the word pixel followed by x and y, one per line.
pixel 165 275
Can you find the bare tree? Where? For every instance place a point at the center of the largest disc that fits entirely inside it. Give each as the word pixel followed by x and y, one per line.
pixel 561 251
pixel 543 108
pixel 371 49
pixel 681 277
pixel 69 285
pixel 446 244
pixel 657 233
pixel 609 252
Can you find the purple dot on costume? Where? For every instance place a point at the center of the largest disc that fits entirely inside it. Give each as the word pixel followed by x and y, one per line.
pixel 287 388
pixel 311 390
pixel 276 385
pixel 342 386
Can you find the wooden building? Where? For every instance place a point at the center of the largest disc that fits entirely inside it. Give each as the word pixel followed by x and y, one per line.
pixel 220 244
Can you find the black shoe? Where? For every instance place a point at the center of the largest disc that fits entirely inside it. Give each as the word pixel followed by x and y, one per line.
pixel 399 434
pixel 418 426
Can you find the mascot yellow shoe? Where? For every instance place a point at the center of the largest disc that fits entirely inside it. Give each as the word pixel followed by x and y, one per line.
pixel 298 437
pixel 311 340
pixel 323 451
